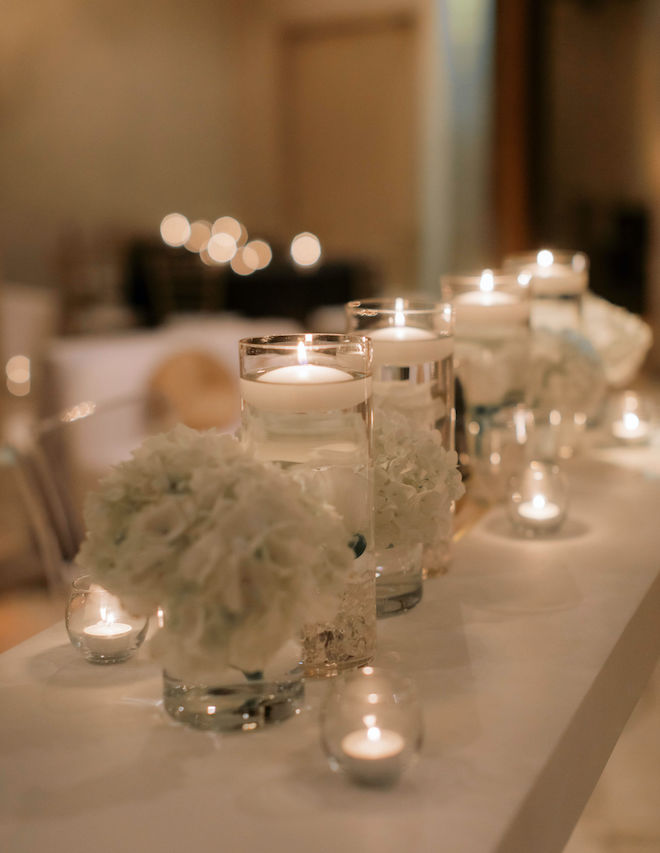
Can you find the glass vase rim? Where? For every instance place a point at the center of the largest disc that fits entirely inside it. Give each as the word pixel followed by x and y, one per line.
pixel 82 583
pixel 472 278
pixel 315 340
pixel 402 683
pixel 409 305
pixel 560 257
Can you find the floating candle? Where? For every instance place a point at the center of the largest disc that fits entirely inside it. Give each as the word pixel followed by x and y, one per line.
pixel 405 345
pixel 304 387
pixel 484 308
pixel 556 273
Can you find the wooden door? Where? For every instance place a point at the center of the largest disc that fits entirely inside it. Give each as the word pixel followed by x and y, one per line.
pixel 349 140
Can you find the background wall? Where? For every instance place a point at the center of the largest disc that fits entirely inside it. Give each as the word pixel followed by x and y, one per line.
pixel 115 113
pixel 602 142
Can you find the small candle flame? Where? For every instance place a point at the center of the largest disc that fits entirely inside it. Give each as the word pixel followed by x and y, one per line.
pixel 373 733
pixel 302 353
pixel 538 502
pixel 545 258
pixel 630 420
pixel 399 316
pixel 487 282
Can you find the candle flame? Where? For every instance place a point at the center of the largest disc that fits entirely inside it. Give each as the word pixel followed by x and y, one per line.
pixel 302 353
pixel 630 420
pixel 399 316
pixel 538 502
pixel 487 282
pixel 373 733
pixel 545 258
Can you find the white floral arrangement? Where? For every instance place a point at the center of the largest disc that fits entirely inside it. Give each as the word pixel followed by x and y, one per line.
pixel 416 481
pixel 232 551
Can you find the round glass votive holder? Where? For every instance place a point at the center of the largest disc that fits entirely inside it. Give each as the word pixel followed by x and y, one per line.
pixel 371 726
pixel 631 419
pixel 306 406
pixel 539 499
pixel 99 626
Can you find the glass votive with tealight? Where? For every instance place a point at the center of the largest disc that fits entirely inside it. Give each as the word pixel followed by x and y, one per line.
pixel 631 419
pixel 371 726
pixel 538 499
pixel 99 626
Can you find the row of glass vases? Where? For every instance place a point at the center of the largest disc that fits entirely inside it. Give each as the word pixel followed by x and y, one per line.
pixel 307 405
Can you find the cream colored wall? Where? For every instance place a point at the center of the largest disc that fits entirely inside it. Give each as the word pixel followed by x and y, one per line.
pixel 455 39
pixel 113 113
pixel 650 128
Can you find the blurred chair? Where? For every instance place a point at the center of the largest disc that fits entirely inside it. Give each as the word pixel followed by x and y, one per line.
pixel 53 469
pixel 116 391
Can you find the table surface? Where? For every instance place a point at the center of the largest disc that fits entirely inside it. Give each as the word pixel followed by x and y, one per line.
pixel 528 655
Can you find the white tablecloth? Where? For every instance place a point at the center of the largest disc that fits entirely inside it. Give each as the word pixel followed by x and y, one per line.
pixel 529 656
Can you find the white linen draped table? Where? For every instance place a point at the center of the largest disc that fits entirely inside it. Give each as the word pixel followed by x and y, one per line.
pixel 528 655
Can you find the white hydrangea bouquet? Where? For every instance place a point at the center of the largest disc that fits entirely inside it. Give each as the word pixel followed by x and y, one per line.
pixel 416 481
pixel 232 551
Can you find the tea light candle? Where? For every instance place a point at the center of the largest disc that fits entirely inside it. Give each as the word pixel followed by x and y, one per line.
pixel 304 387
pixel 372 755
pixel 631 429
pixel 539 509
pixel 108 638
pixel 538 502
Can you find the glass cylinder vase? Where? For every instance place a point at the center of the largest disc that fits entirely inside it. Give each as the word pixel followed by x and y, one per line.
pixel 413 346
pixel 566 380
pixel 492 350
pixel 306 405
pixel 557 281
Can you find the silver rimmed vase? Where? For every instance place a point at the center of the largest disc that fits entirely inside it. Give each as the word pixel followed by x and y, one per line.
pixel 306 405
pixel 413 348
pixel 491 311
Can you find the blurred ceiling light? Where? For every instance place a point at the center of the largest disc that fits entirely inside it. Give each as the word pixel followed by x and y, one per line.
pixel 18 369
pixel 239 265
pixel 200 231
pixel 242 240
pixel 175 229
pixel 228 225
pixel 261 250
pixel 205 258
pixel 18 389
pixel 305 249
pixel 221 247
